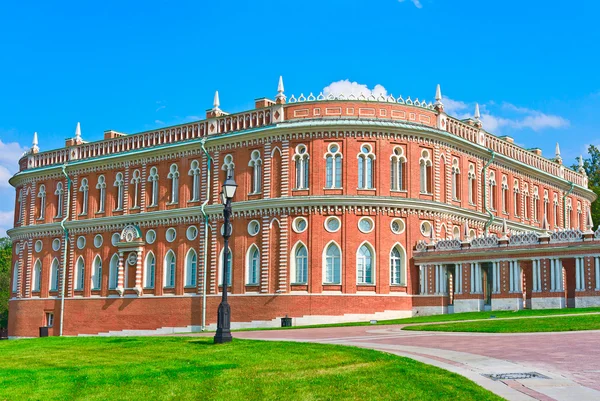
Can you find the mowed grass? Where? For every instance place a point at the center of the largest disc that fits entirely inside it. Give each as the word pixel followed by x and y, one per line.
pixel 184 368
pixel 532 325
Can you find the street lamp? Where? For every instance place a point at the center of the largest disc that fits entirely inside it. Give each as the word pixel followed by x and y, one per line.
pixel 223 334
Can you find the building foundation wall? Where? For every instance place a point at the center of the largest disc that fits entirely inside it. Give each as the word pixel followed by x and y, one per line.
pixel 507 303
pixel 548 303
pixel 587 302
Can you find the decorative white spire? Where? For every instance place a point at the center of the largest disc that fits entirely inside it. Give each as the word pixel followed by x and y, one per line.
pixel 466 231
pixel 477 114
pixel 34 144
pixel 78 131
pixel 545 224
pixel 557 157
pixel 280 96
pixel 590 223
pixel 438 96
pixel 581 170
pixel 216 102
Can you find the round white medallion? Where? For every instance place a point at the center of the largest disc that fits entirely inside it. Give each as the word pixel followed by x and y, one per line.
pixel 397 226
pixel 171 234
pixel 81 242
pixel 253 227
pixel 332 224
pixel 38 246
pixel 150 236
pixel 300 224
pixel 192 233
pixel 366 225
pixel 98 240
pixel 55 244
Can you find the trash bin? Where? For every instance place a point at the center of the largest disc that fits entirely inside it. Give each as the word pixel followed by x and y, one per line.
pixel 44 331
pixel 286 321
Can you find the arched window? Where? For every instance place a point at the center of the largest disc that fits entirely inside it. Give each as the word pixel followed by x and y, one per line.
pixel 113 272
pixel 174 177
pixel 20 200
pixel 333 264
pixel 149 270
pixel 54 275
pixel 195 174
pixel 37 275
pixel 516 198
pixel 455 180
pixel 42 196
pixel 300 264
pixel 228 166
pixel 425 172
pixel 170 269
pixel 398 172
pixel 84 189
pixel 492 190
pixel 536 202
pixel 526 201
pixel 119 185
pixel 579 215
pixel 101 186
pixel 301 159
pixel 135 182
pixel 153 178
pixel 364 265
pixel 253 265
pixel 79 274
pixel 555 208
pixel 456 232
pixel 366 159
pixel 472 184
pixel 15 278
pixel 97 274
pixel 333 166
pixel 568 213
pixel 505 198
pixel 398 265
pixel 546 202
pixel 229 272
pixel 59 199
pixel 191 268
pixel 256 165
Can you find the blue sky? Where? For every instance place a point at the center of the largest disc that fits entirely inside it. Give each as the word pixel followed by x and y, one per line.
pixel 135 66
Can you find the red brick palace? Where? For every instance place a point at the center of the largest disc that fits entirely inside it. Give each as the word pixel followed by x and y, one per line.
pixel 348 208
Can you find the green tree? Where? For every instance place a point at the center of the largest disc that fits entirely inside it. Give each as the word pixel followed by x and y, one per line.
pixel 5 262
pixel 592 168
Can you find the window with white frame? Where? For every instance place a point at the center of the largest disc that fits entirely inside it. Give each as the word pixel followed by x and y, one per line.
pixel 555 213
pixel 364 265
pixel 397 173
pixel 174 177
pixel 228 166
pixel 97 274
pixel 42 196
pixel 60 201
pixel 301 159
pixel 169 269
pixel 255 164
pixel 20 199
pixel 84 188
pixel 492 190
pixel 79 274
pixel 135 183
pixel 472 184
pixel 191 268
pixel 101 187
pixel 300 256
pixel 113 272
pixel 149 270
pixel 579 215
pixel 526 201
pixel 37 276
pixel 15 282
pixel 54 276
pixel 546 202
pixel 333 263
pixel 455 180
pixel 153 178
pixel 253 265
pixel 194 172
pixel 119 185
pixel 568 213
pixel 366 160
pixel 536 202
pixel 397 266
pixel 333 166
pixel 516 198
pixel 425 172
pixel 505 198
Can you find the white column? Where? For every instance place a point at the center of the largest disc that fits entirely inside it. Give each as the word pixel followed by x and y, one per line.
pixel 458 274
pixel 552 275
pixel 597 265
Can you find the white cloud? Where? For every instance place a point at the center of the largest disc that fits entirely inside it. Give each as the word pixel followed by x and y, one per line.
pixel 417 3
pixel 347 88
pixel 10 153
pixel 159 122
pixel 6 221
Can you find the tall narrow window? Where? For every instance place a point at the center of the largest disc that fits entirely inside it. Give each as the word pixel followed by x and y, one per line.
pixel 21 201
pixel 60 201
pixel 546 202
pixel 135 184
pixel 516 199
pixel 397 169
pixel 333 166
pixel 301 160
pixel 84 189
pixel 526 201
pixel 229 272
pixel 15 278
pixel 333 264
pixel 113 272
pixel 472 184
pixel 364 265
pixel 555 208
pixel 579 215
pixel 536 202
pixel 397 268
pixel 149 270
pixel 37 275
pixel 191 268
pixel 301 264
pixel 170 269
pixel 119 185
pixel 455 180
pixel 253 265
pixel 79 274
pixel 153 178
pixel 174 177
pixel 366 159
pixel 425 172
pixel 195 174
pixel 505 196
pixel 255 164
pixel 54 275
pixel 42 197
pixel 228 166
pixel 97 274
pixel 568 213
pixel 492 190
pixel 101 186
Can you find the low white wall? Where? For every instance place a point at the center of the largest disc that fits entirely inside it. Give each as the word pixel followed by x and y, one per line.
pixel 548 303
pixel 507 303
pixel 587 302
pixel 429 310
pixel 468 305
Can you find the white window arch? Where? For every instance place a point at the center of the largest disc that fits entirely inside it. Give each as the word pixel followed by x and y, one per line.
pixel 79 274
pixel 536 202
pixel 299 264
pixel 101 186
pixel 366 161
pixel 149 270
pixel 54 275
pixel 398 265
pixel 42 196
pixel 84 188
pixel 119 185
pixel 228 166
pixel 455 180
pixel 397 173
pixel 229 267
pixel 579 214
pixel 301 159
pixel 113 272
pixel 97 273
pixel 568 213
pixel 59 199
pixel 425 172
pixel 253 265
pixel 21 200
pixel 333 166
pixel 332 264
pixel 365 264
pixel 526 201
pixel 492 190
pixel 516 195
pixel 135 182
pixel 472 183
pixel 15 282
pixel 174 177
pixel 153 178
pixel 555 208
pixel 191 268
pixel 546 202
pixel 195 174
pixel 169 269
pixel 504 199
pixel 37 275
pixel 256 164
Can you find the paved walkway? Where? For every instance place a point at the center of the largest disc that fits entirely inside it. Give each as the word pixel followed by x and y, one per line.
pixel 570 361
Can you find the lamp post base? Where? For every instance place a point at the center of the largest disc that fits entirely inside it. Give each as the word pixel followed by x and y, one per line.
pixel 223 334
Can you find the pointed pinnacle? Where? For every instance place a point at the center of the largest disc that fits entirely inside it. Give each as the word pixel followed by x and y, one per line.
pixel 477 114
pixel 78 131
pixel 438 94
pixel 35 139
pixel 216 102
pixel 557 150
pixel 280 85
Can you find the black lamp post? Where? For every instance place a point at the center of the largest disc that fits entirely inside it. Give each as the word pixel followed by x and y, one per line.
pixel 224 314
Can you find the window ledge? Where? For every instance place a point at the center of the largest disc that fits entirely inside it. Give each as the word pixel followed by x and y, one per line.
pixel 190 286
pixel 426 193
pixel 82 214
pixel 254 193
pixel 172 203
pixel 332 188
pixel 366 189
pixel 402 191
pixel 100 212
pixel 134 208
pixel 300 189
pixel 298 283
pixel 117 210
pixel 40 219
pixel 193 201
pixel 332 283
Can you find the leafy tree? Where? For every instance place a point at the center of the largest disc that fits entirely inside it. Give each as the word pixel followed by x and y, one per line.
pixel 5 262
pixel 592 168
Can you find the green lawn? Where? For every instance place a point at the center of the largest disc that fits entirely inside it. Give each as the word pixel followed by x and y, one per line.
pixel 184 368
pixel 558 323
